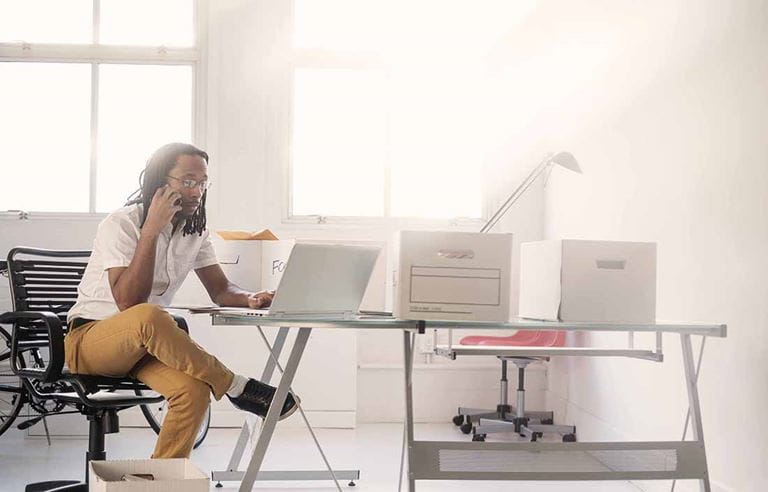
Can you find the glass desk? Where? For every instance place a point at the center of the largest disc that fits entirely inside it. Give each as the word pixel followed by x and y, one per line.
pixel 456 460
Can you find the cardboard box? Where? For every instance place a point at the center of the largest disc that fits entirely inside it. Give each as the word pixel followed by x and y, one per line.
pixel 577 280
pixel 452 276
pixel 171 475
pixel 239 260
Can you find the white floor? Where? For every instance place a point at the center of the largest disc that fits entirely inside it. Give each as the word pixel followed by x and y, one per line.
pixel 374 449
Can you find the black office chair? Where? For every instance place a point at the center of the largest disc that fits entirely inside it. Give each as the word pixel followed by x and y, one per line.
pixel 43 289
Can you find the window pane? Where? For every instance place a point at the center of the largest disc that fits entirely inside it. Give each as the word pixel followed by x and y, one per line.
pixel 339 24
pixel 45 130
pixel 422 31
pixel 147 22
pixel 339 143
pixel 46 21
pixel 437 144
pixel 141 107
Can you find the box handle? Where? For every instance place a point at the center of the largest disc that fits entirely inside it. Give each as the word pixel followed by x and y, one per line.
pixel 611 264
pixel 230 260
pixel 456 254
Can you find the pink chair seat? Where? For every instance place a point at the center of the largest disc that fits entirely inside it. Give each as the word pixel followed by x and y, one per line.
pixel 523 338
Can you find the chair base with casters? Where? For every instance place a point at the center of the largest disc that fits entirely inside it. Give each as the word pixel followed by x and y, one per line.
pixel 101 422
pixel 507 418
pixel 101 409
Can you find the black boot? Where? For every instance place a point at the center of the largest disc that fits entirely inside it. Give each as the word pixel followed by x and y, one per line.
pixel 257 396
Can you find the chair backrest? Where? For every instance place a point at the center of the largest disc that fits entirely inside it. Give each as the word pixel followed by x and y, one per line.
pixel 43 286
pixel 521 338
pixel 549 338
pixel 45 280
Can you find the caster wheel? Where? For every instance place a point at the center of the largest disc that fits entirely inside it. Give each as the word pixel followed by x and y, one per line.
pixel 478 438
pixel 458 420
pixel 352 484
pixel 547 422
pixel 218 485
pixel 466 428
pixel 569 438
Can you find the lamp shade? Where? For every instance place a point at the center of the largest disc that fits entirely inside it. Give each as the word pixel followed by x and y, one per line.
pixel 566 160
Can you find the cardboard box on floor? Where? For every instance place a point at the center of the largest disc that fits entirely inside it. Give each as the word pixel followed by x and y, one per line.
pixel 171 475
pixel 578 280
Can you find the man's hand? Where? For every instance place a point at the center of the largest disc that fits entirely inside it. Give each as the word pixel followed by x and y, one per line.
pixel 260 300
pixel 225 293
pixel 132 285
pixel 165 205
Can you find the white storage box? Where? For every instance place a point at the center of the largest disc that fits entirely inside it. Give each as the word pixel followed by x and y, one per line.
pixel 241 262
pixel 452 276
pixel 171 475
pixel 576 280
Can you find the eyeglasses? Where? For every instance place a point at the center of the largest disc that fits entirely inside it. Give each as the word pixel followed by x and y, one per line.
pixel 191 183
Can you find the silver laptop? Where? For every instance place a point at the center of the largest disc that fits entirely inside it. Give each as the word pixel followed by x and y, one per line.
pixel 323 281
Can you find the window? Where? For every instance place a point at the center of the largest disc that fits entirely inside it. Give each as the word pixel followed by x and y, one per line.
pixel 87 97
pixel 389 110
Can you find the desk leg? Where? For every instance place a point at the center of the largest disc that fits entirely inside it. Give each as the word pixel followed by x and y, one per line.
pixel 266 377
pixel 268 426
pixel 408 370
pixel 693 400
pixel 277 349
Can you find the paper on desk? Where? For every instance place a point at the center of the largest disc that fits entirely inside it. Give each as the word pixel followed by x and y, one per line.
pixel 262 235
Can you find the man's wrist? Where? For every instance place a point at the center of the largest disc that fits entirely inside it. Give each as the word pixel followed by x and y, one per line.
pixel 150 231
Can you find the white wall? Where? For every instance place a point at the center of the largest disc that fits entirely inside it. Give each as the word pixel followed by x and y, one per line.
pixel 669 129
pixel 45 231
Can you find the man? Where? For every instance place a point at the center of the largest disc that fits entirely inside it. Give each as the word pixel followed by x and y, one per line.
pixel 141 255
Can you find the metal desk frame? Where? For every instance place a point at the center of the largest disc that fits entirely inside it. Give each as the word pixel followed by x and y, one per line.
pixel 449 460
pixel 233 474
pixel 305 326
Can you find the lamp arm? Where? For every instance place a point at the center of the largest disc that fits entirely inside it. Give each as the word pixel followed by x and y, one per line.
pixel 527 182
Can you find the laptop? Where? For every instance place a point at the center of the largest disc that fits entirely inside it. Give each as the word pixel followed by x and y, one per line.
pixel 319 281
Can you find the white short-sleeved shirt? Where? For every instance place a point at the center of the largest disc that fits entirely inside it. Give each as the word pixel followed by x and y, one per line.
pixel 116 240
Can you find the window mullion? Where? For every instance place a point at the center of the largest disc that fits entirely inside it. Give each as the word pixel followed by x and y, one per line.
pixel 93 170
pixel 94 135
pixel 96 21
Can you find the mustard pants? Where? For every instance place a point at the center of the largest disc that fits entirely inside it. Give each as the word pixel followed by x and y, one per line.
pixel 145 343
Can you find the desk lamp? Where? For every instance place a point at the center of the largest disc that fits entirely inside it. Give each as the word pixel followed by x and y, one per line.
pixel 564 159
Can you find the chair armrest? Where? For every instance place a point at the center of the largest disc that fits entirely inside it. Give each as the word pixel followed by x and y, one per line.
pixel 55 344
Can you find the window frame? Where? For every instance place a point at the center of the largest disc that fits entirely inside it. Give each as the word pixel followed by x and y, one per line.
pixel 96 54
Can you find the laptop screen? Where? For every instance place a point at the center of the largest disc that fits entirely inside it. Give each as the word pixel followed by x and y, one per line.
pixel 324 279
